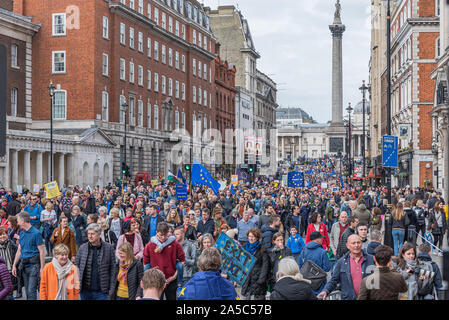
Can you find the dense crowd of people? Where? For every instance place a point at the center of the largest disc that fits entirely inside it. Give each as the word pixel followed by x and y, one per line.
pixel 144 243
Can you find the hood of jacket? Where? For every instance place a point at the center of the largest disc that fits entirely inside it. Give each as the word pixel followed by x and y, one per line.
pixel 361 207
pixel 312 245
pixel 371 247
pixel 291 288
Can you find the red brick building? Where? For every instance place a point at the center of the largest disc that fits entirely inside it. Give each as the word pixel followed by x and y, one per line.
pixel 157 56
pixel 414 49
pixel 225 93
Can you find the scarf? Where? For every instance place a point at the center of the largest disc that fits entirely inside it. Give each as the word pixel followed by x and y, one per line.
pixel 62 272
pixel 6 254
pixel 123 273
pixel 251 247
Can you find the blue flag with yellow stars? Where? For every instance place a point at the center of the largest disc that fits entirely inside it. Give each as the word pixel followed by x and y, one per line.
pixel 202 177
pixel 295 180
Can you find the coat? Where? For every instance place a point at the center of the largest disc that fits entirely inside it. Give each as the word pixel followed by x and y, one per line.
pixel 334 237
pixel 288 288
pixel 133 277
pixel 315 253
pixel 342 249
pixel 275 255
pixel 79 224
pixel 432 221
pixel 5 281
pixel 323 231
pixel 207 285
pixel 191 233
pixel 207 227
pixel 342 275
pixel 106 258
pixel 363 214
pixel 68 239
pixel 267 236
pixel 49 283
pixel 256 283
pixel 13 208
pixel 137 248
pixel 390 285
pixel 190 255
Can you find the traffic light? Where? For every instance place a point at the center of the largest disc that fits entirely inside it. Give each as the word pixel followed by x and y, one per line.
pixel 187 167
pixel 123 168
pixel 250 169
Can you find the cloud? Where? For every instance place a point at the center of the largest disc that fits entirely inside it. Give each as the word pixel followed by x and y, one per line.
pixel 295 44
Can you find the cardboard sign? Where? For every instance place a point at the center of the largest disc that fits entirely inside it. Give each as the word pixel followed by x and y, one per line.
pixel 237 263
pixel 36 188
pixel 181 191
pixel 154 182
pixel 19 189
pixel 234 180
pixel 52 190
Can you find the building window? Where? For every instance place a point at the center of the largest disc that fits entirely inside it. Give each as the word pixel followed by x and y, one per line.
pixel 122 110
pixel 140 113
pixel 183 63
pixel 156 50
pixel 122 69
pixel 148 79
pixel 59 24
pixel 177 89
pixel 105 64
pixel 177 28
pixel 200 40
pixel 200 96
pixel 14 96
pixel 14 56
pixel 58 62
pixel 194 94
pixel 131 72
pixel 183 92
pixel 177 60
pixel 60 104
pixel 438 47
pixel 163 85
pixel 437 7
pixel 140 8
pixel 170 57
pixel 194 67
pixel 105 28
pixel 194 36
pixel 156 117
pixel 156 15
pixel 148 114
pixel 170 24
pixel 205 43
pixel 205 98
pixel 205 72
pixel 104 105
pixel 183 32
pixel 164 20
pixel 149 47
pixel 170 87
pixel 140 75
pixel 132 111
pixel 131 4
pixel 140 42
pixel 163 54
pixel 199 69
pixel 131 38
pixel 156 82
pixel 183 120
pixel 149 10
pixel 122 33
pixel 176 120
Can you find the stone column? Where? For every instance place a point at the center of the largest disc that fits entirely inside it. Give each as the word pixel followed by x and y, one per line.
pixel 39 168
pixel 61 170
pixel 27 169
pixel 14 169
pixel 282 147
pixel 69 177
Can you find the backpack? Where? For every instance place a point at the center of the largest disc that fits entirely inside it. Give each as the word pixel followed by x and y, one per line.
pixel 420 215
pixel 426 286
pixel 368 201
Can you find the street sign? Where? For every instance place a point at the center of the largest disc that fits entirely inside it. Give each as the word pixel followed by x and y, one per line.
pixel 390 151
pixel 181 191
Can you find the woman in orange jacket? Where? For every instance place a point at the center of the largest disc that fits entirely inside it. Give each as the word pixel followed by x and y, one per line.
pixel 60 277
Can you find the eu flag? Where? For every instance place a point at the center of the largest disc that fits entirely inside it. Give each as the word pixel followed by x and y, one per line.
pixel 232 189
pixel 202 177
pixel 309 185
pixel 180 176
pixel 295 180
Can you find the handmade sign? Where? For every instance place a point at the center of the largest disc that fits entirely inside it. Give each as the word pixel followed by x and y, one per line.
pixel 52 190
pixel 237 263
pixel 181 191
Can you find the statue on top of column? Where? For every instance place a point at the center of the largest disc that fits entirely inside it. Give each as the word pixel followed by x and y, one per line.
pixel 337 10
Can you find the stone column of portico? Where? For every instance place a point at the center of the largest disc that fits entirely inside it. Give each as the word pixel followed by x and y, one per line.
pixel 27 168
pixel 39 167
pixel 61 170
pixel 69 177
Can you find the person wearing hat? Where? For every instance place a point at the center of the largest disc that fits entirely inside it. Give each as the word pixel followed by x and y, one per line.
pixel 314 252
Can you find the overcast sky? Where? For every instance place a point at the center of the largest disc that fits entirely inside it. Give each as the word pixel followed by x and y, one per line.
pixel 295 44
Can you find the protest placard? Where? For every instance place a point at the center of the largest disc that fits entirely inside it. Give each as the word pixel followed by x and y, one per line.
pixel 52 190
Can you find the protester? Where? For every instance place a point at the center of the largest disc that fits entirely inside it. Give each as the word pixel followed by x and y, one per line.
pixel 31 253
pixel 317 225
pixel 8 251
pixel 208 284
pixel 6 287
pixel 349 271
pixel 14 207
pixel 243 226
pixel 290 284
pixel 275 254
pixel 362 232
pixel 295 243
pixel 399 222
pixel 375 241
pixel 438 224
pixel 427 287
pixel 79 224
pixel 48 221
pixel 268 231
pixel 342 249
pixel 60 277
pixel 152 284
pixel 362 213
pixel 206 224
pixel 64 235
pixel 383 284
pixel 106 233
pixel 132 236
pixel 34 209
pixel 185 272
pixel 337 231
pixel 129 272
pixel 97 276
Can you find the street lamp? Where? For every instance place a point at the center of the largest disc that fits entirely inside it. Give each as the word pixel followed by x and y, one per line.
pixel 125 108
pixel 349 109
pixel 51 91
pixel 363 88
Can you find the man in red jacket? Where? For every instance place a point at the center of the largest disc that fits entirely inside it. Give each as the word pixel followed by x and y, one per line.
pixel 165 260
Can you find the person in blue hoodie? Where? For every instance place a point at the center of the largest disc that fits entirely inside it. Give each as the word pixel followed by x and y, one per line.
pixel 295 243
pixel 314 252
pixel 208 284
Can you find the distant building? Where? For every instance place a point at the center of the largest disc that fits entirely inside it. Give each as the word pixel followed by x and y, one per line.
pixel 290 117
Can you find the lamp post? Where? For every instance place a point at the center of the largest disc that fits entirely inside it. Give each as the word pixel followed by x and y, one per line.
pixel 51 91
pixel 349 110
pixel 363 88
pixel 125 110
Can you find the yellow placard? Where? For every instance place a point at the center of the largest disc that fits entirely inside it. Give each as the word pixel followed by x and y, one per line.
pixel 52 190
pixel 155 182
pixel 234 180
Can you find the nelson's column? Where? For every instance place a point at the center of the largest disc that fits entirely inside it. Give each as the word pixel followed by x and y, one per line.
pixel 336 131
